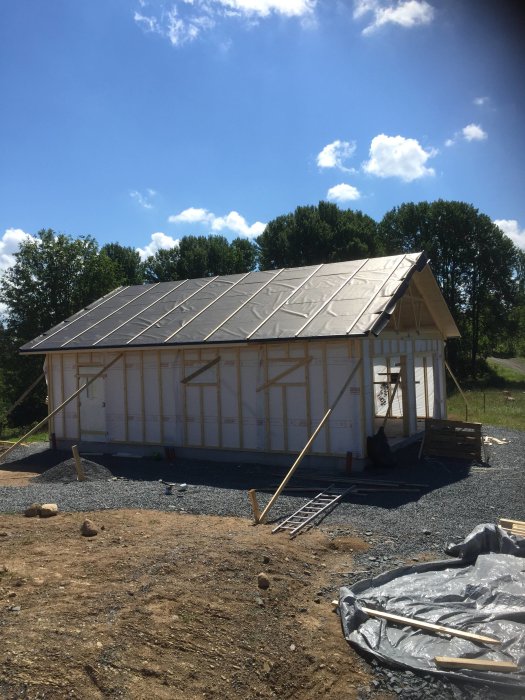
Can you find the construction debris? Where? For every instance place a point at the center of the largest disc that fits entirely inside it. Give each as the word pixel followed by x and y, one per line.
pixel 466 598
pixel 476 664
pixel 451 438
pixel 513 527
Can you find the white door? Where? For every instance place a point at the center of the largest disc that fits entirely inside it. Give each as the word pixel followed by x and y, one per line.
pixel 92 406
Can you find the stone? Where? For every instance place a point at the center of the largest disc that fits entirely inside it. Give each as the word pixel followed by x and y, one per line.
pixel 32 511
pixel 47 510
pixel 88 528
pixel 263 581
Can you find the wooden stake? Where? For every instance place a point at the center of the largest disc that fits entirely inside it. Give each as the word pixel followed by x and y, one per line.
pixel 308 444
pixel 255 506
pixel 421 624
pixel 26 393
pixel 475 664
pixel 81 476
pixel 459 389
pixel 59 408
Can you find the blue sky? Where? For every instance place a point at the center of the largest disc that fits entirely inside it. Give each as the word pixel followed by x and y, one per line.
pixel 140 121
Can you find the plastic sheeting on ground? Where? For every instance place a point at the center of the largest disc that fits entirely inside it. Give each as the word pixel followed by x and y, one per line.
pixel 484 593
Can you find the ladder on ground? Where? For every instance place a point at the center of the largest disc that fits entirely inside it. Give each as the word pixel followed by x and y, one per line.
pixel 321 504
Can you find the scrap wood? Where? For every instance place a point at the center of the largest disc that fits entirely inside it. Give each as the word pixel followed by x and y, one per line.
pixel 475 664
pixel 513 527
pixel 489 440
pixel 510 523
pixel 421 624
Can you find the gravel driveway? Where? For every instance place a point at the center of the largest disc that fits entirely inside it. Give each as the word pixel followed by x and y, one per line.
pixel 400 527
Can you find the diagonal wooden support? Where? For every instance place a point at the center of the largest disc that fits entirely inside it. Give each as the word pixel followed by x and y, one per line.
pixel 191 376
pixel 300 363
pixel 62 405
pixel 311 439
pixel 25 394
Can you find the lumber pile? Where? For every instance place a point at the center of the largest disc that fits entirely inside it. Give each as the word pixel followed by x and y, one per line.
pixel 452 438
pixel 513 527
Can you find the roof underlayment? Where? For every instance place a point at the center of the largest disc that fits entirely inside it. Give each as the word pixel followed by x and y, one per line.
pixel 343 299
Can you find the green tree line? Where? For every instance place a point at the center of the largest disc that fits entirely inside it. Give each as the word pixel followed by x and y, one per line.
pixel 480 271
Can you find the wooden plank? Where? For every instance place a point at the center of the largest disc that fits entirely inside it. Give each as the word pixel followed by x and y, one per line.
pixel 510 523
pixel 288 370
pixel 195 374
pixel 309 442
pixel 26 393
pixel 441 422
pixel 476 664
pixel 431 627
pixel 62 405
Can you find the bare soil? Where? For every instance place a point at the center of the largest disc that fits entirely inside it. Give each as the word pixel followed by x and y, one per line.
pixel 8 477
pixel 166 605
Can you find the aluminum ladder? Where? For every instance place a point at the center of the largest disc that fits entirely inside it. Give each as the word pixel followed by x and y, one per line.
pixel 323 502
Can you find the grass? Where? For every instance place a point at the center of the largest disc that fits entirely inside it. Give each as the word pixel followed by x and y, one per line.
pixel 496 399
pixel 14 434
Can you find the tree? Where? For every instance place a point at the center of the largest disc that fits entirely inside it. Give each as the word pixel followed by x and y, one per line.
pixel 201 256
pixel 126 260
pixel 243 255
pixel 474 263
pixel 53 276
pixel 317 234
pixel 163 266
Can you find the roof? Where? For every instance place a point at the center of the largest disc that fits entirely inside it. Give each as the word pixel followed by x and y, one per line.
pixel 342 299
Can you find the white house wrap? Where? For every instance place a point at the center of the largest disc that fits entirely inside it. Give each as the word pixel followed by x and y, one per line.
pixel 251 362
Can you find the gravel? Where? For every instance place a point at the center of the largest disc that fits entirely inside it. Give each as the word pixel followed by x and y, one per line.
pixel 399 527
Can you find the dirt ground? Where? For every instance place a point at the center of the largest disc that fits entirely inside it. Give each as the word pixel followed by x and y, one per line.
pixel 166 605
pixel 8 477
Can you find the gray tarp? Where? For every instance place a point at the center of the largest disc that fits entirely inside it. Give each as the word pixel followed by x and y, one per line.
pixel 330 300
pixel 483 593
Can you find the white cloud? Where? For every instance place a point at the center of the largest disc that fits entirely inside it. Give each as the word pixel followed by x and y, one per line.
pixel 363 7
pixel 407 14
pixel 188 19
pixel 474 132
pixel 9 245
pixel 471 132
pixel 480 101
pixel 237 224
pixel 397 156
pixel 144 200
pixel 343 193
pixel 149 24
pixel 233 221
pixel 263 8
pixel 158 241
pixel 511 228
pixel 192 215
pixel 334 154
